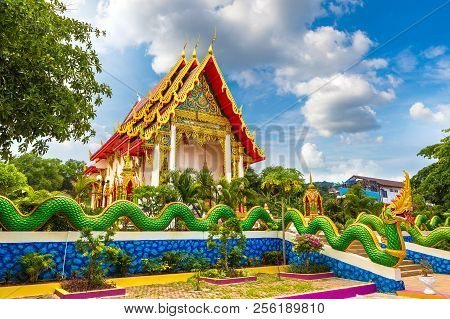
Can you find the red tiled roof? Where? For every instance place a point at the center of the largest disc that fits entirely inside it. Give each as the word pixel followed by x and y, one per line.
pixel 379 181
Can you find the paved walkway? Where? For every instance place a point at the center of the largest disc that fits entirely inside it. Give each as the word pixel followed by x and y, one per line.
pixel 442 285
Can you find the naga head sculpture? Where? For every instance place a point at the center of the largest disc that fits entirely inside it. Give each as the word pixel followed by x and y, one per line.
pixel 400 208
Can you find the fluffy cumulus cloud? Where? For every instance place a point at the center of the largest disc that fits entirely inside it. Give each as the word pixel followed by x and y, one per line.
pixel 256 36
pixel 312 157
pixel 419 111
pixel 341 103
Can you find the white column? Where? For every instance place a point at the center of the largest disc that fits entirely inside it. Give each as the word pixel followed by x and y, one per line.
pixel 241 166
pixel 155 170
pixel 228 157
pixel 173 145
pixel 93 197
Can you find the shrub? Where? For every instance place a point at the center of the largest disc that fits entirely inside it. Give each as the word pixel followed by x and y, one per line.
pixel 122 263
pixel 154 265
pixel 307 244
pixel 273 257
pixel 214 273
pixel 34 264
pixel 99 256
pixel 173 259
pixel 312 269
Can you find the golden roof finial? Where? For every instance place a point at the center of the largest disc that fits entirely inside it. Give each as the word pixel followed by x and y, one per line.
pixel 194 52
pixel 311 185
pixel 183 52
pixel 210 50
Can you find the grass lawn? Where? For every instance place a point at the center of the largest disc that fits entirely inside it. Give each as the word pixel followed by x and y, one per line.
pixel 267 286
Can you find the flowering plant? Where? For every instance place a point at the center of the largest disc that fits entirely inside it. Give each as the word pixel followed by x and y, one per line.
pixel 307 244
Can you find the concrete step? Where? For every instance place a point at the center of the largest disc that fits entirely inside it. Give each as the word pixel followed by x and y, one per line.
pixel 410 273
pixel 407 262
pixel 409 267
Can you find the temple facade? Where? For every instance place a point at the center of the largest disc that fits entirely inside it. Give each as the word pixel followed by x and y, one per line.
pixel 188 120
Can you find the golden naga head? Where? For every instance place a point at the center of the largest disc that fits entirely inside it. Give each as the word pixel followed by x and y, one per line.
pixel 400 208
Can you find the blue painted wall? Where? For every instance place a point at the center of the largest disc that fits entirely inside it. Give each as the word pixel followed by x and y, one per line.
pixel 440 265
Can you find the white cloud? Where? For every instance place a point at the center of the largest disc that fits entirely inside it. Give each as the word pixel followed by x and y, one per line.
pixel 375 63
pixel 246 78
pixel 341 104
pixel 434 51
pixel 312 156
pixel 340 7
pixel 419 111
pixel 406 61
pixel 379 139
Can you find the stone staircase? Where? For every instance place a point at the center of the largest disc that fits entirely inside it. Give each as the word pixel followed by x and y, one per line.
pixel 407 268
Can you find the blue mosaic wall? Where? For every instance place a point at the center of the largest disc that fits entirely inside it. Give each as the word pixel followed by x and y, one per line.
pixel 10 253
pixel 344 270
pixel 440 265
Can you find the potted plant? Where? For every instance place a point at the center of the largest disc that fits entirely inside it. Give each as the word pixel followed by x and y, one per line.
pixel 425 279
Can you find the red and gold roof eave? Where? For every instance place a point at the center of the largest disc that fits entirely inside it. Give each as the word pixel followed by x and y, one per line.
pixel 210 68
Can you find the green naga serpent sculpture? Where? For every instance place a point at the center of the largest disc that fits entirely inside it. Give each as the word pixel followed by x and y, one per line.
pixel 12 219
pixel 412 226
pixel 423 223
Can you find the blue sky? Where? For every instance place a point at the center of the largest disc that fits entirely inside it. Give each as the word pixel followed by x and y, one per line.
pixel 371 119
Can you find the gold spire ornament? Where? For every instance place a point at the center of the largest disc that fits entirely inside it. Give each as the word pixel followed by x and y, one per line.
pixel 183 52
pixel 194 52
pixel 210 49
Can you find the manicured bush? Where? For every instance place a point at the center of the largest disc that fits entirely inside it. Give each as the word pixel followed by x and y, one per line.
pixel 274 257
pixel 312 269
pixel 34 264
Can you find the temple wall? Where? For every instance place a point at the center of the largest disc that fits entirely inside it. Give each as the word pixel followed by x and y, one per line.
pixel 192 155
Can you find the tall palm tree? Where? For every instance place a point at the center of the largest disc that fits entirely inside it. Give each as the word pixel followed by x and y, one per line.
pixel 282 183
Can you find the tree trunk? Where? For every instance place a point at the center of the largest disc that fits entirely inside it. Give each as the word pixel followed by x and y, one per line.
pixel 283 233
pixel 307 260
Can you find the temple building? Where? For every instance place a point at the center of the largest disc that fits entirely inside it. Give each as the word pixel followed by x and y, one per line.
pixel 312 201
pixel 188 120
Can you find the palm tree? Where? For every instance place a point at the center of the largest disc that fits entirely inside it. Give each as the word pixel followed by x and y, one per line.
pixel 81 186
pixel 205 180
pixel 282 183
pixel 184 183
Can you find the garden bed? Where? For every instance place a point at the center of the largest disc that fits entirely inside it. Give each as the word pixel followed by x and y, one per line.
pixel 112 292
pixel 227 281
pixel 306 276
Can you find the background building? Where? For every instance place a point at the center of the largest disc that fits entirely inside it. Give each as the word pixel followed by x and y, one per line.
pixel 382 189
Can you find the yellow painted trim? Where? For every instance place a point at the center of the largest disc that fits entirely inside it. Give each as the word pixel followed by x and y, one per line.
pixel 418 295
pixel 11 292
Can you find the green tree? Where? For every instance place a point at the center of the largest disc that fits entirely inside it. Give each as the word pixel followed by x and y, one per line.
pixel 433 181
pixel 281 185
pixel 11 179
pixel 227 233
pixel 356 202
pixel 184 182
pixel 48 88
pixel 41 173
pixel 70 170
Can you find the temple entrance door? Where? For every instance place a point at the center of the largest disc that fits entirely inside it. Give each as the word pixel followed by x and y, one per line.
pixel 129 190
